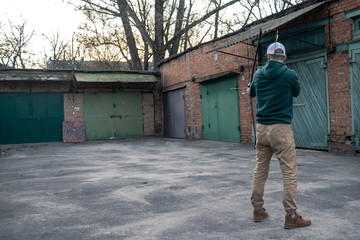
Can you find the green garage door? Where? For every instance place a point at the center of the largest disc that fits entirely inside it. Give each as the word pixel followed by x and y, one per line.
pixel 31 117
pixel 113 115
pixel 220 110
pixel 310 121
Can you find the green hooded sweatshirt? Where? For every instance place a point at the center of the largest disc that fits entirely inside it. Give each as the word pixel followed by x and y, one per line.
pixel 274 85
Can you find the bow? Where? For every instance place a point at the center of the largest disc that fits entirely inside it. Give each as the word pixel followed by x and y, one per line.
pixel 252 75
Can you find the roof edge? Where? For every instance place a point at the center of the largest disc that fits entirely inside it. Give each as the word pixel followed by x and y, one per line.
pixel 151 72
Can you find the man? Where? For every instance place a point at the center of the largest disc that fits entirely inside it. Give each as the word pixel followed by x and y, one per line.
pixel 275 85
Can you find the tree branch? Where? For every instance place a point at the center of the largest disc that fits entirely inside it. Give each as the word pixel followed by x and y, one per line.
pixel 203 18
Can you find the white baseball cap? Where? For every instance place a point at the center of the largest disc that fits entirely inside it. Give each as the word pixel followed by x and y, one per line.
pixel 274 46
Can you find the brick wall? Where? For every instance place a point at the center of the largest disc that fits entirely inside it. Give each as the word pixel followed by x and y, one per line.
pixel 148 114
pixel 158 110
pixel 246 119
pixel 73 125
pixel 73 107
pixel 198 65
pixel 204 66
pixel 339 76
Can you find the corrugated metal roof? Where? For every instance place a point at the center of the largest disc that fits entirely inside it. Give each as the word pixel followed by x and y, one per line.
pixel 266 27
pixel 115 77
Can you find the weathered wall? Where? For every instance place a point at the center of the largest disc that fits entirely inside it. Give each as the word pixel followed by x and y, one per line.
pixel 341 32
pixel 73 107
pixel 148 114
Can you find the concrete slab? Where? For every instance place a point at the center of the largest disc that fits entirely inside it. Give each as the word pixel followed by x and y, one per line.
pixel 154 188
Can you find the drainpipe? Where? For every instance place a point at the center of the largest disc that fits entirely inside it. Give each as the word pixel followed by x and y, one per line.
pixel 191 97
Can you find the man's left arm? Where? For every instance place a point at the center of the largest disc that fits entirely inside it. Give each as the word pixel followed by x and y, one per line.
pixel 251 89
pixel 296 86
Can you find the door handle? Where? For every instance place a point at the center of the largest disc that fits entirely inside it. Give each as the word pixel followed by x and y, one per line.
pixel 299 105
pixel 30 118
pixel 116 116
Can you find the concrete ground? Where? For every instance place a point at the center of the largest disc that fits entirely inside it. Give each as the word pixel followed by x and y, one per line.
pixel 154 188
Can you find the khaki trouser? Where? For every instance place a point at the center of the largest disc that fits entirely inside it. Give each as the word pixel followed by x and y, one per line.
pixel 278 139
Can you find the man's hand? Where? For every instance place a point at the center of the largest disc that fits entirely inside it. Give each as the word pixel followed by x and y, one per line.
pixel 247 91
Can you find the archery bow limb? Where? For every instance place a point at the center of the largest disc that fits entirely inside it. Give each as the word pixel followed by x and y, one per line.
pixel 252 75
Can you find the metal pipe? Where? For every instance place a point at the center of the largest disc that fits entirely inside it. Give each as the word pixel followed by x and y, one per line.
pixel 329 25
pixel 191 95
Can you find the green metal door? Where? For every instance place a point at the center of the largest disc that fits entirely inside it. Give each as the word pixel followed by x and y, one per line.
pixel 310 122
pixel 220 110
pixel 210 112
pixel 113 115
pixel 355 96
pixel 128 117
pixel 31 117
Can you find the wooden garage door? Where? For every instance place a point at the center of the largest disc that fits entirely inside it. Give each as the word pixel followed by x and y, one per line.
pixel 113 115
pixel 310 121
pixel 220 110
pixel 174 114
pixel 31 117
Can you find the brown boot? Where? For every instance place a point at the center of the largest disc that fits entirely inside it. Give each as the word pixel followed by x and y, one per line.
pixel 295 221
pixel 260 214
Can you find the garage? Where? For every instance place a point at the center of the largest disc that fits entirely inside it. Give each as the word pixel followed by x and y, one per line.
pixel 220 109
pixel 30 117
pixel 63 105
pixel 113 115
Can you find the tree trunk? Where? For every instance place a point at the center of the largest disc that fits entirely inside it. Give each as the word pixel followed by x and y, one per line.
pixel 186 38
pixel 146 56
pixel 216 25
pixel 179 22
pixel 159 50
pixel 135 59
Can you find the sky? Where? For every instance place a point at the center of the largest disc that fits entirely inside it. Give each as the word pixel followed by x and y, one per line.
pixel 47 17
pixel 43 16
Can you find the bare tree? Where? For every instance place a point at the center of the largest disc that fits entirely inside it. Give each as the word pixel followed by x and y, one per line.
pixel 102 40
pixel 249 11
pixel 14 40
pixel 145 30
pixel 217 3
pixel 60 48
pixel 258 9
pixel 155 38
pixel 63 52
